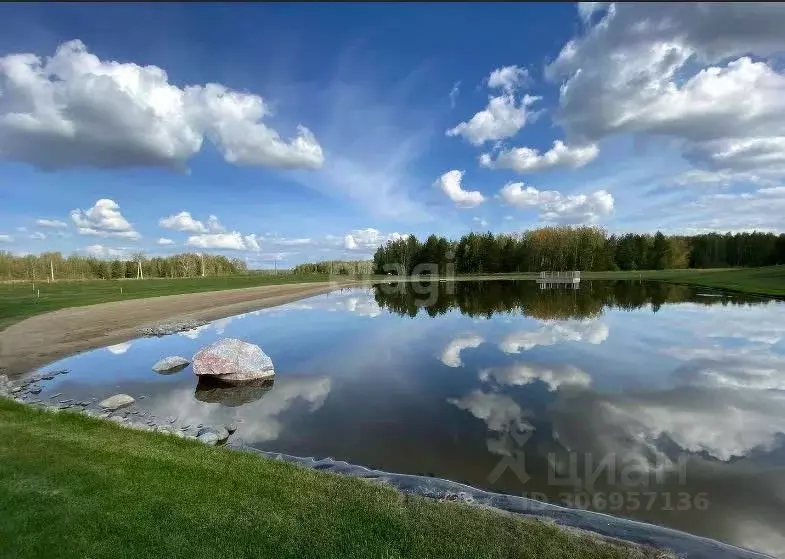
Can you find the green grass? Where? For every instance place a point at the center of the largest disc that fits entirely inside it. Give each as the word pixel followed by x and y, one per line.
pixel 19 300
pixel 74 486
pixel 768 280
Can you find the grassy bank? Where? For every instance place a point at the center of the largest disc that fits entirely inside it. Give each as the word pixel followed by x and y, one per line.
pixel 20 300
pixel 73 486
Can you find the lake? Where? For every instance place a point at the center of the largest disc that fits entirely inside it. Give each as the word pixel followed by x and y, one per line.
pixel 644 400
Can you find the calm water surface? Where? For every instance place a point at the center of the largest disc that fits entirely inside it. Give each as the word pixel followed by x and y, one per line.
pixel 656 402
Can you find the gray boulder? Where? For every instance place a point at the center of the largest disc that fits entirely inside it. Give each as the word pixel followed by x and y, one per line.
pixel 220 432
pixel 208 438
pixel 232 360
pixel 116 402
pixel 172 364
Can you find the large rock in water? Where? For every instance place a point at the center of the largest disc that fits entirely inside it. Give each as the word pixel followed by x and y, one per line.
pixel 232 360
pixel 116 402
pixel 169 365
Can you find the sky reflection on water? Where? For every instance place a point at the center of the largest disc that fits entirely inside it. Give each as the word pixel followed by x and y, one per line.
pixel 499 376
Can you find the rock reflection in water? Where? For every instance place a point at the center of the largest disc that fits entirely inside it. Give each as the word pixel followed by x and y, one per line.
pixel 214 391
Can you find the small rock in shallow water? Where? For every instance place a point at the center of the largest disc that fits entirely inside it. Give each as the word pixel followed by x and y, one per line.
pixel 35 390
pixel 66 401
pixel 116 402
pixel 232 427
pixel 167 328
pixel 169 365
pixel 208 438
pixel 16 390
pixel 53 396
pixel 64 406
pixel 219 432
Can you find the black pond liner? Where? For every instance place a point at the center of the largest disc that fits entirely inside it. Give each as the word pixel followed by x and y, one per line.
pixel 682 544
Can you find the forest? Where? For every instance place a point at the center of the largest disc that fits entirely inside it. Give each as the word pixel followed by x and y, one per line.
pixel 582 248
pixel 340 267
pixel 48 265
pixel 555 248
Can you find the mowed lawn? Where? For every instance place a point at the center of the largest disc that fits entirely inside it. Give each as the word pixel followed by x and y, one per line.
pixel 74 486
pixel 769 280
pixel 20 300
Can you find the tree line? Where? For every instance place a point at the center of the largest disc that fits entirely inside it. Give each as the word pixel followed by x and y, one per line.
pixel 340 267
pixel 488 298
pixel 48 265
pixel 585 248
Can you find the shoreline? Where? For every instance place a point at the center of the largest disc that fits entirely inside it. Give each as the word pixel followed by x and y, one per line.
pixel 126 317
pixel 42 339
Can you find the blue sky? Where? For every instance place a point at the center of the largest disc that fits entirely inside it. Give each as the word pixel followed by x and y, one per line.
pixel 319 131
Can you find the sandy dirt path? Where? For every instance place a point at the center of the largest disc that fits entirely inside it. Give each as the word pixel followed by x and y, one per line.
pixel 41 339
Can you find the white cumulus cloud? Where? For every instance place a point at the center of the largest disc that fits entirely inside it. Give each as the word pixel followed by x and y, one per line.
pixel 367 239
pixel 228 241
pixel 182 221
pixel 74 109
pixel 555 206
pixel 103 220
pixel 164 241
pixel 450 184
pixel 527 160
pixel 505 113
pixel 508 78
pixel 698 73
pixel 214 225
pixel 502 118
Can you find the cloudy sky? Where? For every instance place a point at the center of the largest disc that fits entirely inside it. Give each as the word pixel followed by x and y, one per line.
pixel 293 133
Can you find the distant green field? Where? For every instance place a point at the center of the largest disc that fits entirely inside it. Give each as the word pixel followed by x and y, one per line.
pixel 20 300
pixel 74 486
pixel 764 281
